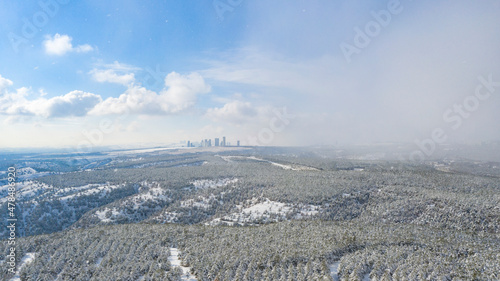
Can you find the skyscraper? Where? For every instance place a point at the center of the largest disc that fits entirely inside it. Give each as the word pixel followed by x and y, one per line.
pixel 216 141
pixel 223 141
pixel 237 143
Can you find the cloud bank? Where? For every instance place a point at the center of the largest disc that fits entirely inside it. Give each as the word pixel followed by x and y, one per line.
pixel 179 94
pixel 74 103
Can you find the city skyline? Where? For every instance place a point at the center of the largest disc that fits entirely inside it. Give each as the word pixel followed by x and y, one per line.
pixel 208 143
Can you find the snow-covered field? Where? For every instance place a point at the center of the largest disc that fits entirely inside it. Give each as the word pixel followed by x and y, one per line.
pixel 334 270
pixel 206 183
pixel 258 210
pixel 108 215
pixel 293 167
pixel 90 189
pixel 25 173
pixel 30 190
pixel 154 196
pixel 176 262
pixel 26 190
pixel 29 257
pixel 199 202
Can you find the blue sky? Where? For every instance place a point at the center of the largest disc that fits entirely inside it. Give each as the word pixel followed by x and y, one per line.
pixel 263 72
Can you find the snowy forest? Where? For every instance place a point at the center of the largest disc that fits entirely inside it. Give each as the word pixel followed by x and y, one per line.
pixel 253 214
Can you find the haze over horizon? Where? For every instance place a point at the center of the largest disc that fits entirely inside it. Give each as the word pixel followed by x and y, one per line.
pixel 266 73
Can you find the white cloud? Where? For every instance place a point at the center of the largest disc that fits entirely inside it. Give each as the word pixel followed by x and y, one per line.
pixel 233 112
pixel 180 94
pixel 109 75
pixel 182 91
pixel 83 48
pixel 75 103
pixel 118 66
pixel 115 72
pixel 135 100
pixel 239 112
pixel 61 44
pixel 4 83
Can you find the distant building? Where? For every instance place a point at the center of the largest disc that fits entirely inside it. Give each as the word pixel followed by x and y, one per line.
pixel 237 143
pixel 223 141
pixel 210 142
pixel 189 144
pixel 216 141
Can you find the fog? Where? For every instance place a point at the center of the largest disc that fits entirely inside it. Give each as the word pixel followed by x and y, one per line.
pixel 417 73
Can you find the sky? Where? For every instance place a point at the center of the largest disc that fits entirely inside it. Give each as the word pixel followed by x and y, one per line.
pixel 84 74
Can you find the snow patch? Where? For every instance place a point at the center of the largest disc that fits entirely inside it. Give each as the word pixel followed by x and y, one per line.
pixel 26 171
pixel 265 211
pixel 89 189
pixel 108 215
pixel 26 190
pixel 28 258
pixel 168 217
pixel 202 184
pixel 334 270
pixel 176 262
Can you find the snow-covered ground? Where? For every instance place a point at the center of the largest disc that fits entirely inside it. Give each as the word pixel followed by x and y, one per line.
pixel 26 190
pixel 334 270
pixel 108 215
pixel 255 210
pixel 293 167
pixel 200 202
pixel 91 189
pixel 202 184
pixel 168 217
pixel 176 262
pixel 25 173
pixel 154 196
pixel 29 257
